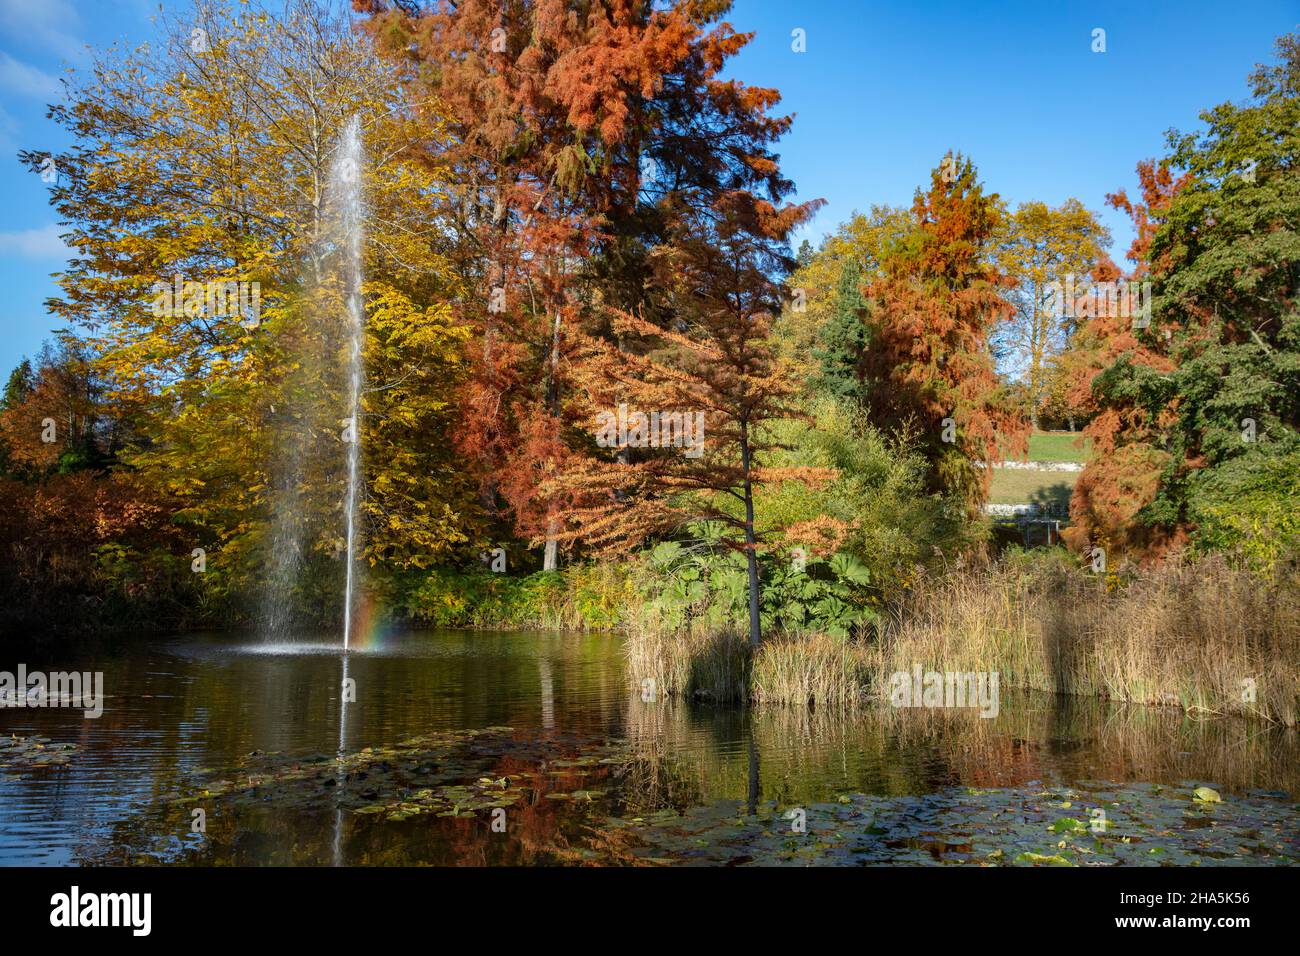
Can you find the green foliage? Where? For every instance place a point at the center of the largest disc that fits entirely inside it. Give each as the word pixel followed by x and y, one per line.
pixel 1036 563
pixel 891 522
pixel 1249 506
pixel 20 384
pixel 841 341
pixel 1217 388
pixel 702 583
pixel 821 278
pixel 587 597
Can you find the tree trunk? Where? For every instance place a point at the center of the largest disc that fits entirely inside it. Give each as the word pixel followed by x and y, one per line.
pixel 550 557
pixel 751 553
pixel 624 454
pixel 751 543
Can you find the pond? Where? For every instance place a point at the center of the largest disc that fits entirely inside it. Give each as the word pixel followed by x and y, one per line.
pixel 531 749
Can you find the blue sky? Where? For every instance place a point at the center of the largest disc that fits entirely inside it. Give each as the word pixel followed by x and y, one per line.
pixel 881 92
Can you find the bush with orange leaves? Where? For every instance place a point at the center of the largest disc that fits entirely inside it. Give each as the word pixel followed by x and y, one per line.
pixel 86 552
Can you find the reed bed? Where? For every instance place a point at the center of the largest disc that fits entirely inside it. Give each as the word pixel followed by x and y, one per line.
pixel 691 663
pixel 813 670
pixel 1207 636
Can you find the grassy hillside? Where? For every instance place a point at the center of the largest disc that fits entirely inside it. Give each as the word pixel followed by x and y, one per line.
pixel 1013 486
pixel 1057 446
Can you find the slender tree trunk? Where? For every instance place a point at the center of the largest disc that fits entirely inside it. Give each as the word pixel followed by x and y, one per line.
pixel 550 556
pixel 751 543
pixel 624 455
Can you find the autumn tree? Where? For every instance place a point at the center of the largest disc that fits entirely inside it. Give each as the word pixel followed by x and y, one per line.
pixel 202 165
pixel 74 535
pixel 528 111
pixel 53 415
pixel 1123 473
pixel 1198 423
pixel 717 368
pixel 929 369
pixel 1045 250
pixel 577 132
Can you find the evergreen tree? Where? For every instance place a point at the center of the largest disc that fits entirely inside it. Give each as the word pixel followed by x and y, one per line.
pixel 804 256
pixel 20 384
pixel 842 341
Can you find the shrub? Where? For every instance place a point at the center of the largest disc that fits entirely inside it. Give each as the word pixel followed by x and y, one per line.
pixel 703 584
pixel 1248 505
pixel 578 598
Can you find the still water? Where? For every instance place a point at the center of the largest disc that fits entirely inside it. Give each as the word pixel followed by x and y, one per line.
pixel 530 748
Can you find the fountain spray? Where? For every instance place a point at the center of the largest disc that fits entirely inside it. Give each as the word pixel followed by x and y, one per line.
pixel 345 183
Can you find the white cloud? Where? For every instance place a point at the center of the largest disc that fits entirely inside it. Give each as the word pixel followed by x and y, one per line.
pixel 26 80
pixel 43 24
pixel 42 243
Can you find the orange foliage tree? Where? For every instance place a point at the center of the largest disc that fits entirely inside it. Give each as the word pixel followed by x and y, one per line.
pixel 512 83
pixel 580 134
pixel 929 369
pixel 693 399
pixel 1123 476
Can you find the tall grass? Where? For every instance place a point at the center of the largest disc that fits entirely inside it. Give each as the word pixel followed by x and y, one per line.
pixel 1208 637
pixel 812 669
pixel 1198 635
pixel 712 664
pixel 719 665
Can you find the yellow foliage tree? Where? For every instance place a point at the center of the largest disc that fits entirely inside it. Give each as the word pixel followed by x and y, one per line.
pixel 197 198
pixel 1043 248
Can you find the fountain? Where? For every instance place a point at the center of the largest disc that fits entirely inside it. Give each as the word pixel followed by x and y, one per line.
pixel 317 339
pixel 345 192
pixel 320 390
pixel 349 214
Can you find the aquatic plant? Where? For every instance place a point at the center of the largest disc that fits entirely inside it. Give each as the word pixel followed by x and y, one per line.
pixel 1206 635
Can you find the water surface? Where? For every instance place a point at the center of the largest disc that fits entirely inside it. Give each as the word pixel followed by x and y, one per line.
pixel 539 733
